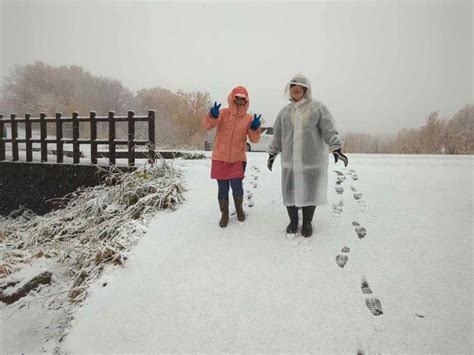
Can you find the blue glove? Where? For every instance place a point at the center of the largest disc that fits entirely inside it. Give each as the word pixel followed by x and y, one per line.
pixel 255 123
pixel 214 111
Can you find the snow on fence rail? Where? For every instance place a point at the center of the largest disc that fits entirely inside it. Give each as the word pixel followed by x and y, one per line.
pixel 76 142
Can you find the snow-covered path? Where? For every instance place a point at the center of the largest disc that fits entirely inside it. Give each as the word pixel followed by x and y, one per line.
pixel 191 286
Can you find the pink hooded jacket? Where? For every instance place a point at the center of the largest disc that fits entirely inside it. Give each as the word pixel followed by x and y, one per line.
pixel 233 127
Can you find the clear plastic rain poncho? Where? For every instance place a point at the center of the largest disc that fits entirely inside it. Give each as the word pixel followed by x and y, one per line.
pixel 302 133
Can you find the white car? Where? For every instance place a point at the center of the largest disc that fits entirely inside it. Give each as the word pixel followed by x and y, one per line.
pixel 266 138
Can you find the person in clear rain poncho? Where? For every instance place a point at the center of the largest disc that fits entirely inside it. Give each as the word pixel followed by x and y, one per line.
pixel 302 133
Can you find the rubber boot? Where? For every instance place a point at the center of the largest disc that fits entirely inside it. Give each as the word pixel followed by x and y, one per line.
pixel 224 207
pixel 238 200
pixel 307 228
pixel 293 214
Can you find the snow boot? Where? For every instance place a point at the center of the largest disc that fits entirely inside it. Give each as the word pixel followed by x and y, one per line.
pixel 307 228
pixel 293 214
pixel 238 200
pixel 224 207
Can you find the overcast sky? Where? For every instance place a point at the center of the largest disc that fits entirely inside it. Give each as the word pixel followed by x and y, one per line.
pixel 378 66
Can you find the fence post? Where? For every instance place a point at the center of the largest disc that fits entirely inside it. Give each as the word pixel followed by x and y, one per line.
pixel 14 137
pixel 93 137
pixel 151 136
pixel 131 138
pixel 112 137
pixel 75 137
pixel 43 137
pixel 207 145
pixel 29 146
pixel 59 138
pixel 2 142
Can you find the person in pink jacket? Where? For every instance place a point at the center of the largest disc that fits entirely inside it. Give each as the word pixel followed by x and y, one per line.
pixel 229 157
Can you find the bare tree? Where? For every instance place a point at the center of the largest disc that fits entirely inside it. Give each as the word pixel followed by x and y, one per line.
pixel 408 142
pixel 361 143
pixel 431 135
pixel 193 106
pixel 41 87
pixel 178 115
pixel 458 137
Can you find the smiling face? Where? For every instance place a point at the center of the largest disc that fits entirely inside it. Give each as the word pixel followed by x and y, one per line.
pixel 297 92
pixel 240 101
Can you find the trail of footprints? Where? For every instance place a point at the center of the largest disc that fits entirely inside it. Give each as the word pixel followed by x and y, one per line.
pixel 248 196
pixel 254 174
pixel 373 303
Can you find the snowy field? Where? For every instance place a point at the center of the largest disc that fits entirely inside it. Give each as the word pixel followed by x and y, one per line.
pixel 190 286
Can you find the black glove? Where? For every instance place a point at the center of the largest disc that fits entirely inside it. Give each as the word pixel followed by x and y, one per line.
pixel 338 155
pixel 271 159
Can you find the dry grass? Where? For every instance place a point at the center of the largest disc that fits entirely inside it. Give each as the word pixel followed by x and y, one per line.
pixel 96 226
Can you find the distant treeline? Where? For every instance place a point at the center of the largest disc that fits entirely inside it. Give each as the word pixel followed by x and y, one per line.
pixel 437 136
pixel 41 87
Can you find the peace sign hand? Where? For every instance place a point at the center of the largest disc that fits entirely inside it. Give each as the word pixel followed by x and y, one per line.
pixel 214 111
pixel 256 122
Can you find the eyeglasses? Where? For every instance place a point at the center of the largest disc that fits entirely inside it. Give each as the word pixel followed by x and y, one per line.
pixel 240 98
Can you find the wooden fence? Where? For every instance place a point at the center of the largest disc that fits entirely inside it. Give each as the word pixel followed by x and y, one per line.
pixel 76 142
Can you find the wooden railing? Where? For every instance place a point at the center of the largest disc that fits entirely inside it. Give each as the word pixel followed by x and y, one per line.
pixel 76 141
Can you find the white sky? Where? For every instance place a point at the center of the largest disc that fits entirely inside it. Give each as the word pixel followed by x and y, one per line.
pixel 378 66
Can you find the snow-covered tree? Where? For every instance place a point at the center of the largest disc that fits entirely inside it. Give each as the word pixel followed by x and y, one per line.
pixel 458 135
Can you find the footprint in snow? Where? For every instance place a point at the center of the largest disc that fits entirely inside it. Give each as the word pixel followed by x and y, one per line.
pixel 339 189
pixel 373 303
pixel 338 208
pixel 361 231
pixel 342 259
pixel 357 195
pixel 364 286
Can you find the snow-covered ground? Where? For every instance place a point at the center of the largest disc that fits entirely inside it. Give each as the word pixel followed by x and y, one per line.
pixel 190 286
